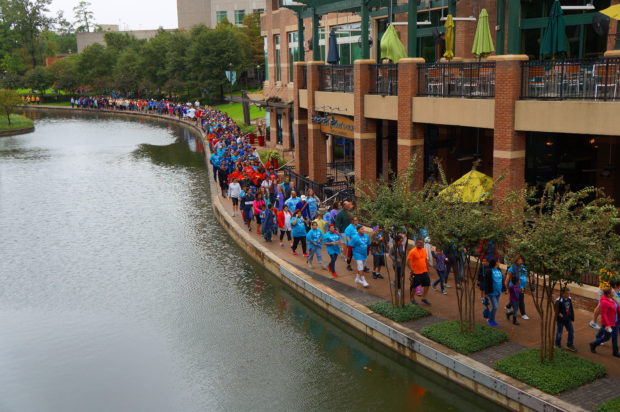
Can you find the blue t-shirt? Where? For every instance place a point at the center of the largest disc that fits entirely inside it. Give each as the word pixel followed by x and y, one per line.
pixel 360 246
pixel 349 232
pixel 312 205
pixel 332 237
pixel 522 275
pixel 497 282
pixel 299 228
pixel 314 236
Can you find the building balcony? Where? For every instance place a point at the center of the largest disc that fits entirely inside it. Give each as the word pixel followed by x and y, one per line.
pixel 468 80
pixel 336 78
pixel 583 79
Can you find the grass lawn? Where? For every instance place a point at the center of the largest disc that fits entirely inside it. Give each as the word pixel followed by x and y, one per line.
pixel 57 104
pixel 612 405
pixel 449 334
pixel 567 371
pixel 235 110
pixel 399 314
pixel 17 122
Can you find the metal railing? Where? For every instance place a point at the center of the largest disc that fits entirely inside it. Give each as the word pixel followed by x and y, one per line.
pixel 384 78
pixel 471 80
pixel 579 79
pixel 336 78
pixel 328 192
pixel 303 82
pixel 340 172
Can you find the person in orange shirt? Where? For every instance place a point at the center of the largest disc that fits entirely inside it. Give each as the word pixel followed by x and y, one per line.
pixel 417 261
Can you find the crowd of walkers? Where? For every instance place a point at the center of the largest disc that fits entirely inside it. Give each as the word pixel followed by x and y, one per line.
pixel 270 204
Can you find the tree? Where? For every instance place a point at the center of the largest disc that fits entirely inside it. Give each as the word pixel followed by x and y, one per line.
pixel 127 71
pixel 39 78
pixel 9 99
pixel 65 73
pixel 84 18
pixel 27 19
pixel 563 234
pixel 398 209
pixel 252 32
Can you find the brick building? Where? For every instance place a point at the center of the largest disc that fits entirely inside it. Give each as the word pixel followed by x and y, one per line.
pixel 514 113
pixel 212 12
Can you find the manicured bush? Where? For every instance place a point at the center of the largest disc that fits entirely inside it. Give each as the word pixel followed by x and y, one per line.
pixel 399 314
pixel 612 405
pixel 565 372
pixel 449 334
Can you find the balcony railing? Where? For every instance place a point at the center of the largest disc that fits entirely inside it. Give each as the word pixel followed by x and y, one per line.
pixel 336 78
pixel 327 192
pixel 384 78
pixel 596 79
pixel 471 80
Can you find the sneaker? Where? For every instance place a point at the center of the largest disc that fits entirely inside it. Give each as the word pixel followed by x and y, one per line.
pixel 366 270
pixel 444 292
pixel 374 275
pixel 363 282
pixel 281 244
pixel 324 267
pixel 434 287
pixel 294 253
pixel 616 355
pixel 426 302
pixel 310 265
pixel 571 348
pixel 334 274
pixel 448 286
pixel 525 317
pixel 357 279
pixel 508 314
pixel 592 347
pixel 594 325
pixel 492 323
pixel 379 276
pixel 413 302
pixel 514 322
pixel 349 268
pixel 305 255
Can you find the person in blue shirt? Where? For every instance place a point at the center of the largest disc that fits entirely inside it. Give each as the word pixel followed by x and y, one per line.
pixel 298 232
pixel 349 232
pixel 359 245
pixel 304 206
pixel 266 216
pixel 215 162
pixel 518 268
pixel 494 280
pixel 292 201
pixel 331 240
pixel 313 203
pixel 315 239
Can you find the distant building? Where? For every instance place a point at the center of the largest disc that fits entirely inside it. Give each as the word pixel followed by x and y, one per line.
pixel 212 12
pixel 87 38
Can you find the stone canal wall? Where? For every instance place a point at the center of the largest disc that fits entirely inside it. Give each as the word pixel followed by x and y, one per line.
pixel 15 132
pixel 460 369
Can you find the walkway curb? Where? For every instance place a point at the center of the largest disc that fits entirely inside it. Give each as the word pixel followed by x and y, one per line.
pixel 460 369
pixel 15 132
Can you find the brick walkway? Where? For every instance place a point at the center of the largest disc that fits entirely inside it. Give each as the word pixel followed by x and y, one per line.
pixel 444 307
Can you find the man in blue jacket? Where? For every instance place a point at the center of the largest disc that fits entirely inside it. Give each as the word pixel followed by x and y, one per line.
pixel 359 246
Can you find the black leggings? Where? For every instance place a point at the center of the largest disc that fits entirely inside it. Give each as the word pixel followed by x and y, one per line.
pixel 296 241
pixel 332 262
pixel 288 235
pixel 521 303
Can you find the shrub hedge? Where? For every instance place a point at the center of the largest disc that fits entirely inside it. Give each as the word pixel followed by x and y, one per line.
pixel 449 334
pixel 399 314
pixel 566 372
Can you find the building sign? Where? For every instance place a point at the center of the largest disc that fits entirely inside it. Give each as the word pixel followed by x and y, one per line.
pixel 335 124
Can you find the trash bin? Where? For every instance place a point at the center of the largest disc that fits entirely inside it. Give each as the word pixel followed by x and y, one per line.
pixel 252 137
pixel 261 140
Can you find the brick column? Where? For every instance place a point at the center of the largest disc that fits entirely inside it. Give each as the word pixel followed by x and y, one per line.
pixel 508 144
pixel 365 130
pixel 614 25
pixel 317 146
pixel 410 135
pixel 300 125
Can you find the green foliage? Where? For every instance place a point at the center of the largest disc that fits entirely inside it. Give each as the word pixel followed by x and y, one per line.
pixel 449 334
pixel 9 99
pixel 399 313
pixel 612 405
pixel 84 18
pixel 65 73
pixel 17 122
pixel 40 78
pixel 565 372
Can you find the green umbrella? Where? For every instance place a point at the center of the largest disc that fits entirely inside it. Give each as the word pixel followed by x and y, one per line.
pixel 483 43
pixel 391 46
pixel 554 38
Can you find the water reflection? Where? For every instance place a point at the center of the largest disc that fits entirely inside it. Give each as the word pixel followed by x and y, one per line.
pixel 115 278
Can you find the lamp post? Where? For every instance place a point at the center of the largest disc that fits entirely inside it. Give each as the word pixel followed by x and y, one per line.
pixel 230 65
pixel 258 74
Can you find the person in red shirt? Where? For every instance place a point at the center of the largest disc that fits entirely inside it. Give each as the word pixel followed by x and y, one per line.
pixel 417 260
pixel 610 314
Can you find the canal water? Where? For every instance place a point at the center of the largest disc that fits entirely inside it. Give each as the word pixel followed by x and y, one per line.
pixel 119 291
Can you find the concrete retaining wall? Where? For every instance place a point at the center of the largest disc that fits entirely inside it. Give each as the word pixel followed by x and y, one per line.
pixel 5 133
pixel 460 369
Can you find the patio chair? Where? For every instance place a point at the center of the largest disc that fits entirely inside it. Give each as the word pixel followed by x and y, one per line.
pixel 434 81
pixel 486 81
pixel 572 80
pixel 536 81
pixel 606 78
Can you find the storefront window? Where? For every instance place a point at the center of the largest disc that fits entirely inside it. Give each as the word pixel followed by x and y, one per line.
pixel 343 149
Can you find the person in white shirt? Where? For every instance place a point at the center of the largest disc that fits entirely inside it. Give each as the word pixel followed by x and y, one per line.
pixel 234 192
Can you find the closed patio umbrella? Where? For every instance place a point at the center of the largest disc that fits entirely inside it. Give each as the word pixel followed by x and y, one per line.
pixel 554 38
pixel 333 55
pixel 449 25
pixel 391 46
pixel 483 43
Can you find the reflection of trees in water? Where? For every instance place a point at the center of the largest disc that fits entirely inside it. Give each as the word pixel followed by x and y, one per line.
pixel 175 154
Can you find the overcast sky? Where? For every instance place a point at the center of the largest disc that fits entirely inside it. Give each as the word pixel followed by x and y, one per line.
pixel 129 14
